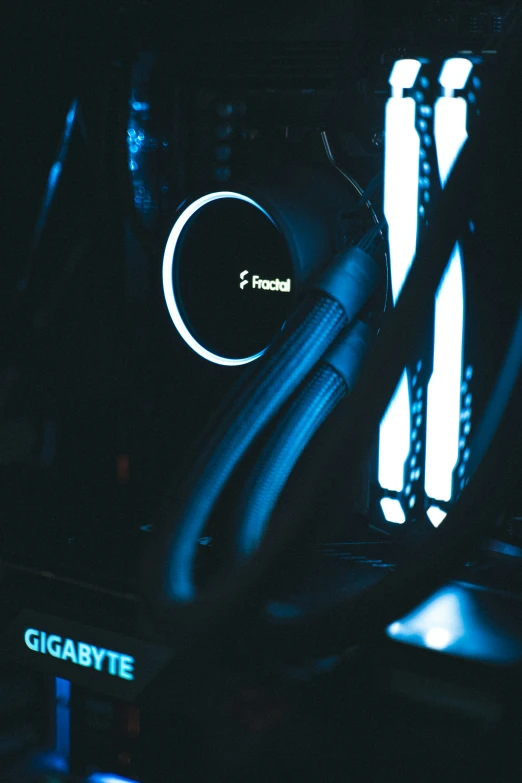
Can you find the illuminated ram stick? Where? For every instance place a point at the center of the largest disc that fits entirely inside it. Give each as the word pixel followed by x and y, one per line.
pixel 401 203
pixel 444 388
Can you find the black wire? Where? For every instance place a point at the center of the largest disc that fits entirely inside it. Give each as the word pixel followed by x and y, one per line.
pixel 289 362
pixel 370 189
pixel 310 408
pixel 368 241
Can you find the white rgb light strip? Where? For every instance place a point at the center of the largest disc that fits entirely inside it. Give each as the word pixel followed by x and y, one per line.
pixel 168 288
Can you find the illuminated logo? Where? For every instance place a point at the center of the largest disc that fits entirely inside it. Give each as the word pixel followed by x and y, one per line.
pixel 266 285
pixel 80 653
pixel 271 285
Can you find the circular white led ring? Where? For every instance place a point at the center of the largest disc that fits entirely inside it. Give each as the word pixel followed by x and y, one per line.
pixel 168 287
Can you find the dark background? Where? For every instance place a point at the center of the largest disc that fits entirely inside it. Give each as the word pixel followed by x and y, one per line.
pixel 54 50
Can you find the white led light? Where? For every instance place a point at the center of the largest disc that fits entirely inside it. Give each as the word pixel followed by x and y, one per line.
pixel 436 515
pixel 450 117
pixel 394 438
pixel 404 73
pixel 450 132
pixel 443 408
pixel 392 510
pixel 455 73
pixel 438 638
pixel 168 288
pixel 401 187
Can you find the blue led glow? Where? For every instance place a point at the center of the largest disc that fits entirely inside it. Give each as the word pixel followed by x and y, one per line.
pixel 504 549
pixel 46 762
pixel 460 622
pixel 443 408
pixel 106 777
pixel 62 689
pixel 437 624
pixel 63 717
pixel 327 664
pixel 168 288
pixel 54 176
pixel 394 438
pixel 71 114
pixel 140 106
pixel 52 180
pixel 69 123
pixel 80 653
pixel 281 610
